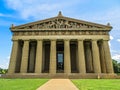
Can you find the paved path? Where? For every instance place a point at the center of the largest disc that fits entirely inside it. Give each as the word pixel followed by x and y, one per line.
pixel 58 84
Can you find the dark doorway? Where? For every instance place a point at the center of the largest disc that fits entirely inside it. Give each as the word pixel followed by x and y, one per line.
pixel 60 61
pixel 60 57
pixel 46 56
pixel 73 56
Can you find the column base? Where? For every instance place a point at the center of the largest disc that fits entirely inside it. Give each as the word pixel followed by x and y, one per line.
pixel 62 75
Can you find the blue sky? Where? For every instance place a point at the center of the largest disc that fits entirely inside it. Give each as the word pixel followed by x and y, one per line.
pixel 23 11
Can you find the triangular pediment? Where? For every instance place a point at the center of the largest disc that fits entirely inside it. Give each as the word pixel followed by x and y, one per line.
pixel 61 22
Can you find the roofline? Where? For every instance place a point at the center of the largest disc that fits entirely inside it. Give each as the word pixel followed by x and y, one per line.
pixel 61 16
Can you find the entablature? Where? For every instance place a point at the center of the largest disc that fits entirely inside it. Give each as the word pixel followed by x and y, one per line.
pixel 59 32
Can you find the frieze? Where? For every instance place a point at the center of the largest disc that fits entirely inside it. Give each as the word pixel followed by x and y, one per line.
pixel 61 33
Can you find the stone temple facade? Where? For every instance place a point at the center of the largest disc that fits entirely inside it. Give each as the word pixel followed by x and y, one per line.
pixel 60 47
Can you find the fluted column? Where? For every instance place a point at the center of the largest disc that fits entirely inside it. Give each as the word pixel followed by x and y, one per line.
pixel 25 54
pixel 38 65
pixel 53 57
pixel 13 57
pixel 81 57
pixel 102 57
pixel 67 62
pixel 32 56
pixel 109 65
pixel 43 56
pixel 96 58
pixel 88 57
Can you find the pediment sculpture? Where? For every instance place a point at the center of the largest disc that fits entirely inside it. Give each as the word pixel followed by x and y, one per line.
pixel 61 22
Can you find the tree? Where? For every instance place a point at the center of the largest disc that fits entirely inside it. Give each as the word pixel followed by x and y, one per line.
pixel 0 70
pixel 3 71
pixel 116 66
pixel 119 67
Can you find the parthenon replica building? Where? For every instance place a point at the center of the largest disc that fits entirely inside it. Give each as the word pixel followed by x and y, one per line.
pixel 60 47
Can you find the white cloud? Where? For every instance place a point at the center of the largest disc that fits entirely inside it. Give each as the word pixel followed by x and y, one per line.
pixel 30 8
pixel 118 40
pixel 38 8
pixel 109 44
pixel 4 66
pixel 111 15
pixel 4 62
pixel 8 57
pixel 116 57
pixel 4 15
pixel 111 37
pixel 114 51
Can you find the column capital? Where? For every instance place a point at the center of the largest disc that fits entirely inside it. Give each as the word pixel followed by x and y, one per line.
pixel 39 40
pixel 53 39
pixel 94 40
pixel 106 40
pixel 80 39
pixel 66 39
pixel 14 40
pixel 26 40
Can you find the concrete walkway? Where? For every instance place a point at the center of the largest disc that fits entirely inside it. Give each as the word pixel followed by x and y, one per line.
pixel 58 84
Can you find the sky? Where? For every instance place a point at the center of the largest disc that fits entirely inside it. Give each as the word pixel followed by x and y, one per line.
pixel 19 12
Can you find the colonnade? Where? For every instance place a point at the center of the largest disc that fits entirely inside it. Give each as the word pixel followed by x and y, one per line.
pixel 93 57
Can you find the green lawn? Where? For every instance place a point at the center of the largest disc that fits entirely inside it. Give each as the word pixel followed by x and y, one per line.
pixel 21 84
pixel 82 84
pixel 97 84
